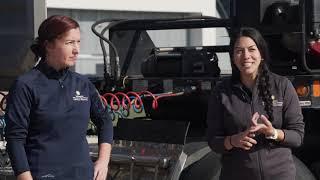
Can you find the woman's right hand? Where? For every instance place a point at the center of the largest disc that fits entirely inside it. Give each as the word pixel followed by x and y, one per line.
pixel 243 140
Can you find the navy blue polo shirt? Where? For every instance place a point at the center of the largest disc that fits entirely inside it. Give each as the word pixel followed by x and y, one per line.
pixel 47 117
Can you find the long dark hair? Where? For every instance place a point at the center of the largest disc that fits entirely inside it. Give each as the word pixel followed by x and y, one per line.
pixel 264 87
pixel 50 29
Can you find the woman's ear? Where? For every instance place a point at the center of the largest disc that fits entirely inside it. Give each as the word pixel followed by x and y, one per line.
pixel 48 45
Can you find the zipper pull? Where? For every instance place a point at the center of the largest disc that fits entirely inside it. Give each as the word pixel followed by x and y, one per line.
pixel 61 83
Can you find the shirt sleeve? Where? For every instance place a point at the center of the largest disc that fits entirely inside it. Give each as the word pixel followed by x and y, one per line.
pixel 100 117
pixel 293 125
pixel 215 131
pixel 17 122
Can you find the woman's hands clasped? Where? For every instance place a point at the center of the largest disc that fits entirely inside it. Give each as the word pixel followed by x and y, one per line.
pixel 245 140
pixel 265 127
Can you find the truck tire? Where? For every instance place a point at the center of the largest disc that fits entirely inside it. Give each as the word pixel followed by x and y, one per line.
pixel 302 173
pixel 207 168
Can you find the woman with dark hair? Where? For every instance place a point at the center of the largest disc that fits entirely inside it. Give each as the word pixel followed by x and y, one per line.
pixel 254 118
pixel 49 108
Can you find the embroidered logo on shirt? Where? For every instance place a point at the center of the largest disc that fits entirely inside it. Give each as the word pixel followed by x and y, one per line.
pixel 48 176
pixel 276 102
pixel 79 97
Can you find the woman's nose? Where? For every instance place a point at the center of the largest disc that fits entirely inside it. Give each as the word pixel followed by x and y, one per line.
pixel 76 48
pixel 246 54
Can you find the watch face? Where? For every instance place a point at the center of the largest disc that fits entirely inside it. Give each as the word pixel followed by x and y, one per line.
pixel 269 137
pixel 274 136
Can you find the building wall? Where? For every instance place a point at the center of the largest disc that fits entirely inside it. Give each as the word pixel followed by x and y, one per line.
pixel 204 7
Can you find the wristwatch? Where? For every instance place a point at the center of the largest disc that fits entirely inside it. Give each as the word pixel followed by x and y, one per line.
pixel 274 136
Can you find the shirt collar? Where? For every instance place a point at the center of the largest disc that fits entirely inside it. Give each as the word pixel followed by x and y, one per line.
pixel 50 72
pixel 237 84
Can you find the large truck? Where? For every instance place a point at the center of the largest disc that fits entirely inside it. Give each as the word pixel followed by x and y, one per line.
pixel 157 95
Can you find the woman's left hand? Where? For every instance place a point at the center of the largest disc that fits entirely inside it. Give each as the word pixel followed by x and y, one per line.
pixel 100 170
pixel 265 127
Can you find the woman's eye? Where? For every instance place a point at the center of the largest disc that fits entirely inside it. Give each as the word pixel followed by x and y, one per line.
pixel 239 51
pixel 70 42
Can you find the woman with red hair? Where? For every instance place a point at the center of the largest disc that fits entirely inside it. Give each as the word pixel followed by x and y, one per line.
pixel 49 108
